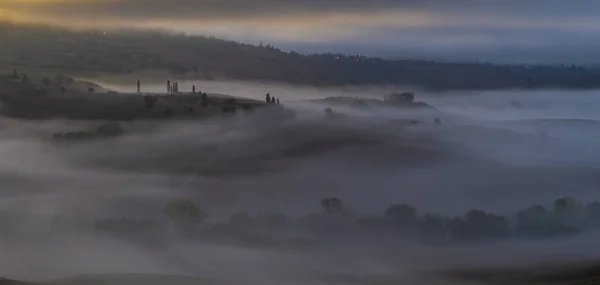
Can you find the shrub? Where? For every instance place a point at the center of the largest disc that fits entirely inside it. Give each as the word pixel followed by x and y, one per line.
pixel 181 210
pixel 332 205
pixel 110 130
pixel 533 222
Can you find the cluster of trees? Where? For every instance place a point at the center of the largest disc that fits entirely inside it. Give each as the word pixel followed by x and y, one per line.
pixel 172 87
pixel 207 58
pixel 107 130
pixel 22 77
pixel 271 99
pixel 565 217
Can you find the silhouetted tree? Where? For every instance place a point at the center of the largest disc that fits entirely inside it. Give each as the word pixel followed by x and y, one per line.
pixel 184 211
pixel 332 205
pixel 138 86
pixel 229 109
pixel 457 228
pixel 168 86
pixel 593 214
pixel 403 215
pixel 268 98
pixel 480 224
pixel 569 216
pixel 193 89
pixel 433 228
pixel 277 101
pixel 229 106
pixel 110 130
pixel 534 221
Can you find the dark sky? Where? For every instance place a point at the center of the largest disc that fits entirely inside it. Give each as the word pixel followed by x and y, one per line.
pixel 530 31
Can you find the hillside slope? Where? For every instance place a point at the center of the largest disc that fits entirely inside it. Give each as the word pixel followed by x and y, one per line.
pixel 93 53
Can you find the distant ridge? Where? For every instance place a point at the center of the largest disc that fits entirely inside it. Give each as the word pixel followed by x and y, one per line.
pixel 92 53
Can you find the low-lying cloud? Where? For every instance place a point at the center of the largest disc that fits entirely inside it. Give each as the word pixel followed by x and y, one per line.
pixel 488 154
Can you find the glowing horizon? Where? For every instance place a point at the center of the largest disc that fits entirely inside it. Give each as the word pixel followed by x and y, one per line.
pixel 412 27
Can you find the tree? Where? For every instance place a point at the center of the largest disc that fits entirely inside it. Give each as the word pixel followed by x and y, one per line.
pixel 193 89
pixel 138 86
pixel 184 211
pixel 402 215
pixel 592 211
pixel 168 86
pixel 332 205
pixel 268 98
pixel 277 101
pixel 433 227
pixel 457 228
pixel 533 222
pixel 110 130
pixel 569 216
pixel 480 224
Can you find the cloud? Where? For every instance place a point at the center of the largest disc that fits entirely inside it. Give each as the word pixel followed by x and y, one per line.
pixel 232 9
pixel 394 27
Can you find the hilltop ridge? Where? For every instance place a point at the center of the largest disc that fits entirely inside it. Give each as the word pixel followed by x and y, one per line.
pixel 93 53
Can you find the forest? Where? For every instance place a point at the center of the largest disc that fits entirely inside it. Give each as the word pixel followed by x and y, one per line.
pixel 336 221
pixel 96 53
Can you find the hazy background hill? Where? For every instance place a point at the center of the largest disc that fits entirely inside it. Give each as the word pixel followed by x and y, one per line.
pixel 95 53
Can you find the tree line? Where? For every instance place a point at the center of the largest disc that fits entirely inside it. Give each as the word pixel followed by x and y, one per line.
pixel 565 217
pixel 209 58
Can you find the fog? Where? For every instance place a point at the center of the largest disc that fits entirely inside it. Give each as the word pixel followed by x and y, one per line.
pixel 500 151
